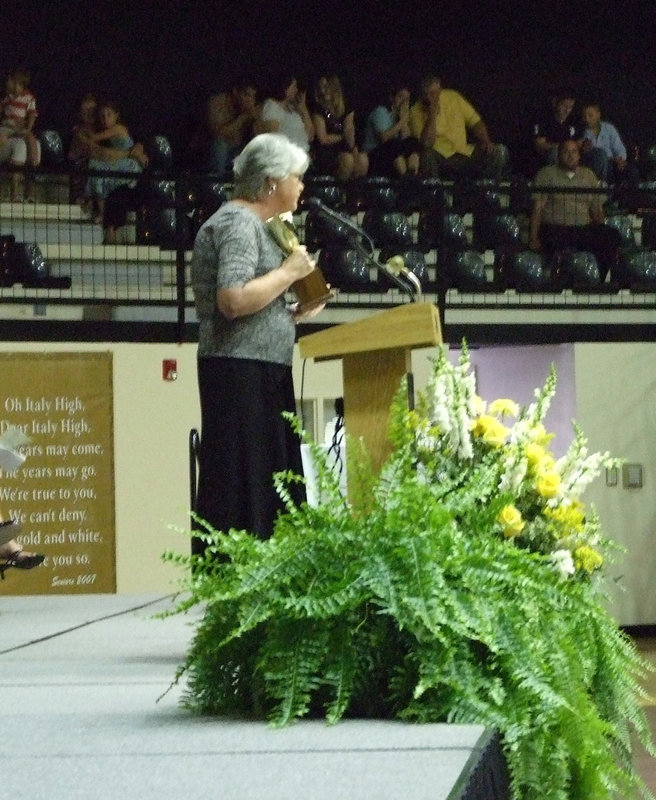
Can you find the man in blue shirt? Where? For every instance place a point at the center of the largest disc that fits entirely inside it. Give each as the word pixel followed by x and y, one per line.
pixel 604 148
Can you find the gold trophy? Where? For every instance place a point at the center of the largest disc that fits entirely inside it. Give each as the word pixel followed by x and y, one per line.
pixel 311 290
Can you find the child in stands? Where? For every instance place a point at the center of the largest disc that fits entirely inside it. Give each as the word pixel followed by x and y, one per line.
pixel 18 143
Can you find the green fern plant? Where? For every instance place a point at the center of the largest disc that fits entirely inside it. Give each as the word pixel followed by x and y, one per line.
pixel 421 606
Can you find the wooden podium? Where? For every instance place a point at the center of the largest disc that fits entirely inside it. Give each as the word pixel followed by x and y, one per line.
pixel 376 354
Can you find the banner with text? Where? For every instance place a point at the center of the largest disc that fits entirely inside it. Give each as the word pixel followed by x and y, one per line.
pixel 63 494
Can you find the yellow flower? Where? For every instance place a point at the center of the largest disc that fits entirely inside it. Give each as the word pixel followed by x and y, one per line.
pixel 547 484
pixel 570 516
pixel 539 435
pixel 503 406
pixel 479 405
pixel 587 559
pixel 538 458
pixel 511 520
pixel 490 430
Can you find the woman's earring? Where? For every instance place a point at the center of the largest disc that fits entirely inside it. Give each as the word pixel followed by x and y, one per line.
pixel 272 188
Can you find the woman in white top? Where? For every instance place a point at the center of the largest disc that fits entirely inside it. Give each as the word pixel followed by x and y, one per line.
pixel 286 112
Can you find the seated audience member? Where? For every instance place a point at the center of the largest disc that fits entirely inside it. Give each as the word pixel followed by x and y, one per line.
pixel 18 142
pixel 111 149
pixel 80 141
pixel 83 129
pixel 335 150
pixel 392 150
pixel 603 145
pixel 228 125
pixel 555 125
pixel 571 219
pixel 441 120
pixel 285 111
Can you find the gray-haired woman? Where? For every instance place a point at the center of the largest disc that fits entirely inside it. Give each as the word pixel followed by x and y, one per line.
pixel 246 339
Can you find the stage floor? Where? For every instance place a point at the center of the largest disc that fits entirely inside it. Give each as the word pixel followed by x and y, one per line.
pixel 80 678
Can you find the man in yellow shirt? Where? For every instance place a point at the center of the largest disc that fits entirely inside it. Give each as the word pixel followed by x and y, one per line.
pixel 441 120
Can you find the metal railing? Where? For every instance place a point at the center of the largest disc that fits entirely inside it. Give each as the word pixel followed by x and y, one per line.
pixel 459 240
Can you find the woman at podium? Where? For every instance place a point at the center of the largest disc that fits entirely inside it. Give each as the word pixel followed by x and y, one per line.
pixel 240 276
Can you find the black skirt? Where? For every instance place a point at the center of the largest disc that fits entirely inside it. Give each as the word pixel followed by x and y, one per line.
pixel 244 440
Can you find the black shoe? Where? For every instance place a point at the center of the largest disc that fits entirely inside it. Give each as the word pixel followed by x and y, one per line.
pixel 21 560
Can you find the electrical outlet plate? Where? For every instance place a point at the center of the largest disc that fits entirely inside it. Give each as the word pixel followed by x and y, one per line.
pixel 632 476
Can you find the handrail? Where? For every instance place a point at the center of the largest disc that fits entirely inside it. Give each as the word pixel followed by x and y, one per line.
pixel 149 268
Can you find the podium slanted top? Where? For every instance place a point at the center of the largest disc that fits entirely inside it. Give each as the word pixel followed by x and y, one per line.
pixel 407 326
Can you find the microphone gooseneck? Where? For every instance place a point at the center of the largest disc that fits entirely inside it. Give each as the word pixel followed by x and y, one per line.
pixel 409 286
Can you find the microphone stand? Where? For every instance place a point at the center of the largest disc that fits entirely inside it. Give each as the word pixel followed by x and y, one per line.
pixel 410 286
pixel 406 286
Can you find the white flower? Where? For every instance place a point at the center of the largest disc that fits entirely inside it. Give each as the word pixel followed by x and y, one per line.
pixel 514 473
pixel 563 562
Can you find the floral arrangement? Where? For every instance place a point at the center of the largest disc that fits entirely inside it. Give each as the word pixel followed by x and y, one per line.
pixel 462 584
pixel 462 439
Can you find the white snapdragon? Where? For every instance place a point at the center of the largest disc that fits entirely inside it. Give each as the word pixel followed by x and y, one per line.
pixel 514 473
pixel 578 473
pixel 564 563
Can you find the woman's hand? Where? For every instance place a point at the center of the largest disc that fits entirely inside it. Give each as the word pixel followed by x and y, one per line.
pixel 298 264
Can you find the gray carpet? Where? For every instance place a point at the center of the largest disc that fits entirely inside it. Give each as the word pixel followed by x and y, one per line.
pixel 80 678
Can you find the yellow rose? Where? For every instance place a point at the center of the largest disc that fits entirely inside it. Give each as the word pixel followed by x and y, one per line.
pixel 503 406
pixel 490 430
pixel 539 435
pixel 511 521
pixel 587 559
pixel 547 484
pixel 538 458
pixel 535 453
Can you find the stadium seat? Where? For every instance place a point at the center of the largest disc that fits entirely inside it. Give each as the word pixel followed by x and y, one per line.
pixel 524 271
pixel 492 231
pixel 372 192
pixel 52 149
pixel 575 269
pixel 635 269
pixel 159 227
pixel 319 233
pixel 29 261
pixel 7 269
pixel 649 162
pixel 388 228
pixel 640 198
pixel 160 154
pixel 623 224
pixel 648 230
pixel 463 270
pixel 520 199
pixel 324 188
pixel 347 270
pixel 210 195
pixel 435 230
pixel 158 193
pixel 421 195
pixel 476 197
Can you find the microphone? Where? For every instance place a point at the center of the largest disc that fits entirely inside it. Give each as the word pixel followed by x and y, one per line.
pixel 407 285
pixel 397 265
pixel 330 215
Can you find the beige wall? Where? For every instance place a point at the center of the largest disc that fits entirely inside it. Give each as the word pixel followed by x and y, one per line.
pixel 615 391
pixel 616 406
